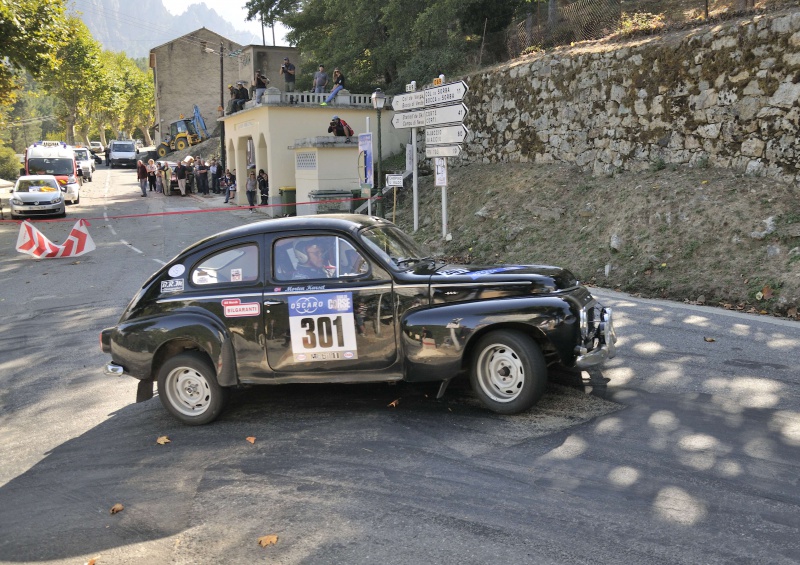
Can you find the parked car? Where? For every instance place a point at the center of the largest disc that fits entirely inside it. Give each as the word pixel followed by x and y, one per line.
pixel 96 147
pixel 37 195
pixel 85 162
pixel 122 153
pixel 348 298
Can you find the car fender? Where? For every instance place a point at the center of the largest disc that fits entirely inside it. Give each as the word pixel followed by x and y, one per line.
pixel 452 329
pixel 159 338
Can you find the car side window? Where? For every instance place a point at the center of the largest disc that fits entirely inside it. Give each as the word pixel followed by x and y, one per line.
pixel 239 264
pixel 317 258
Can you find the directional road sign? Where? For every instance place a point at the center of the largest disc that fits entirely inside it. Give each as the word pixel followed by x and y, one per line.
pixel 447 93
pixel 443 151
pixel 445 135
pixel 445 114
pixel 413 119
pixel 408 101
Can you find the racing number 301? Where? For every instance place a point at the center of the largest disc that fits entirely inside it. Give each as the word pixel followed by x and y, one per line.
pixel 320 332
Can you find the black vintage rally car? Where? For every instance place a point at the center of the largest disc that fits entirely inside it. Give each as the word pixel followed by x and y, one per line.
pixel 348 298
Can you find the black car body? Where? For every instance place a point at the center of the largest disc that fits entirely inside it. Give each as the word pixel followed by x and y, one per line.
pixel 348 298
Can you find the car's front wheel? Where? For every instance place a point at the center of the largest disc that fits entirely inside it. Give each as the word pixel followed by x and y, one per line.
pixel 509 373
pixel 188 389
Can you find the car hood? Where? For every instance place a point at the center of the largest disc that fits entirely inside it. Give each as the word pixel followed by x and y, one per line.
pixel 29 197
pixel 502 279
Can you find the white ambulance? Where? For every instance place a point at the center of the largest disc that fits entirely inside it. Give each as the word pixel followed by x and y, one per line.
pixel 58 159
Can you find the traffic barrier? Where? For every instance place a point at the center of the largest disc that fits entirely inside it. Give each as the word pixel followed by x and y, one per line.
pixel 34 243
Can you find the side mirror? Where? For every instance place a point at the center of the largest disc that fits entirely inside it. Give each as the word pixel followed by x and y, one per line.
pixel 22 171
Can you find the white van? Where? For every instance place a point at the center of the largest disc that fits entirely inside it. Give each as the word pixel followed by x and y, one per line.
pixel 122 153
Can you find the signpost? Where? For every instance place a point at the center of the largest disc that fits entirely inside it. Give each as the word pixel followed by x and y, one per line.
pixel 441 112
pixel 394 180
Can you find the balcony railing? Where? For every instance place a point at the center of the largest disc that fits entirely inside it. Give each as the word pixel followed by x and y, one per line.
pixel 274 96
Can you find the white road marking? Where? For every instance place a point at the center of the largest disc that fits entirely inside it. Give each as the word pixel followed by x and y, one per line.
pixel 131 246
pixel 160 262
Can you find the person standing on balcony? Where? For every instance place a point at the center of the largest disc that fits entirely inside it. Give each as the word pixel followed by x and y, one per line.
pixel 288 71
pixel 320 80
pixel 261 86
pixel 338 84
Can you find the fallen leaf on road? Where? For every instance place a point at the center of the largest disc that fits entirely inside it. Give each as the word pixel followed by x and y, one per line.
pixel 117 508
pixel 91 561
pixel 709 339
pixel 162 440
pixel 264 541
pixel 251 439
pixel 394 403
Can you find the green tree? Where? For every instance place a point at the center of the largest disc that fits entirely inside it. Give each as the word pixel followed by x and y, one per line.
pixel 74 84
pixel 9 164
pixel 387 43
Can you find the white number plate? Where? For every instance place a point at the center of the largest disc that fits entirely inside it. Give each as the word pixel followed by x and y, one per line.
pixel 322 327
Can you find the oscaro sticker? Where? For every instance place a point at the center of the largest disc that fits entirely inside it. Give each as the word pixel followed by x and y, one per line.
pixel 234 308
pixel 176 270
pixel 322 327
pixel 175 285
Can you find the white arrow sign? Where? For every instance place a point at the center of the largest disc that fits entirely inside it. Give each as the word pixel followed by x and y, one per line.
pixel 445 114
pixel 414 119
pixel 445 135
pixel 409 101
pixel 443 151
pixel 451 92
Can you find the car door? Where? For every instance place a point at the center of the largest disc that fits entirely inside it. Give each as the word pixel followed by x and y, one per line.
pixel 228 282
pixel 330 312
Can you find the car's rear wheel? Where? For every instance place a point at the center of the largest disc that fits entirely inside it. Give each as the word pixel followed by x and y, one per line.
pixel 188 389
pixel 509 372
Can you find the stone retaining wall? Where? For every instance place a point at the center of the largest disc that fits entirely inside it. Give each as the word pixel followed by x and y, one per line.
pixel 724 96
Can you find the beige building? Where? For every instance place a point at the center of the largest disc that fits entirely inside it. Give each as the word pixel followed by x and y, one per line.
pixel 186 72
pixel 287 136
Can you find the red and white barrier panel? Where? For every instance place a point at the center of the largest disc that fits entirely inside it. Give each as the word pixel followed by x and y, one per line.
pixel 33 242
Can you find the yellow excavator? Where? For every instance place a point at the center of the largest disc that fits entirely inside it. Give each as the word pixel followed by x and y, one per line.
pixel 183 133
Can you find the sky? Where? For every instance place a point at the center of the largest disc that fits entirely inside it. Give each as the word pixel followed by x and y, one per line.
pixel 232 11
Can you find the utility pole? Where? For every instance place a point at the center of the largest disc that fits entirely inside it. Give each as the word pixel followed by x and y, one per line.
pixel 222 104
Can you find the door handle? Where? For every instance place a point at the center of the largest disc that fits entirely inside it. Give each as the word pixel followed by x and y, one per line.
pixel 272 302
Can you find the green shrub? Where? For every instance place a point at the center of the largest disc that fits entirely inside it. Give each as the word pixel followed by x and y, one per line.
pixel 9 164
pixel 640 22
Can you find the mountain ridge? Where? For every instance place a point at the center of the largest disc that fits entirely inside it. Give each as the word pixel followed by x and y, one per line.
pixel 135 28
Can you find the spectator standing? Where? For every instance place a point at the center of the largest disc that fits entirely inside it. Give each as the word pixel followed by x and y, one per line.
pixel 288 72
pixel 232 102
pixel 320 80
pixel 180 173
pixel 202 176
pixel 230 181
pixel 159 180
pixel 214 171
pixel 261 86
pixel 338 84
pixel 141 175
pixel 250 187
pixel 167 174
pixel 152 171
pixel 263 187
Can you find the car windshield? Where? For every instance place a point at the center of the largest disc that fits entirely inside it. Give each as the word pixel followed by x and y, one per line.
pixel 48 166
pixel 397 248
pixel 82 154
pixel 36 185
pixel 124 147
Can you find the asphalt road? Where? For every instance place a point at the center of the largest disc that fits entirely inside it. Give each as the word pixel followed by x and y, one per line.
pixel 681 450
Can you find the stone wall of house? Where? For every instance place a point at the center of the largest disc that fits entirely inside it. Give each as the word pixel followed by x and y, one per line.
pixel 723 95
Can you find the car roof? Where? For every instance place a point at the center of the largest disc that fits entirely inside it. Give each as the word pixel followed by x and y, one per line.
pixel 348 223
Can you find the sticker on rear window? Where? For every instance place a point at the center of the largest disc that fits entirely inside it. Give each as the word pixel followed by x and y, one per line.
pixel 174 285
pixel 322 327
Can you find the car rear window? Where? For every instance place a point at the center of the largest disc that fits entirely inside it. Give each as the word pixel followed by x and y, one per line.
pixel 232 265
pixel 129 147
pixel 82 154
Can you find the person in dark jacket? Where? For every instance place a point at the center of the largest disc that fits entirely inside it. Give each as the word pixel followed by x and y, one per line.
pixel 141 175
pixel 180 174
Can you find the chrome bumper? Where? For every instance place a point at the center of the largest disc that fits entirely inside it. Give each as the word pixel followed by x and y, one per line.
pixel 112 369
pixel 607 348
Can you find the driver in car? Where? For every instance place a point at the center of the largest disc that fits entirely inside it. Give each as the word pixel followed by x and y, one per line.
pixel 311 259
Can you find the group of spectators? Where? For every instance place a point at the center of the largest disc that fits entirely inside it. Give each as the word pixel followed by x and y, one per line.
pixel 193 175
pixel 240 93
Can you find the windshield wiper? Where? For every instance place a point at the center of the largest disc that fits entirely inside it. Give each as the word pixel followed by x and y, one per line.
pixel 412 260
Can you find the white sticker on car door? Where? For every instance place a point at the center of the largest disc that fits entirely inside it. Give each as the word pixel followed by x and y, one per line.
pixel 322 327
